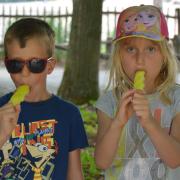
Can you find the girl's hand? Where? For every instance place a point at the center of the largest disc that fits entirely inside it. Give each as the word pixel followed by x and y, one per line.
pixel 8 120
pixel 141 108
pixel 125 107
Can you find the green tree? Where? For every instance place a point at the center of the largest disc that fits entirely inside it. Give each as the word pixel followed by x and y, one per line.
pixel 80 79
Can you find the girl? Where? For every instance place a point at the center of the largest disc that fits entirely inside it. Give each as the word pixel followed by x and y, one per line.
pixel 138 135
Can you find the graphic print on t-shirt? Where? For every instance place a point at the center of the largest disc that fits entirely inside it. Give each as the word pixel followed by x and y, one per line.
pixel 139 159
pixel 30 151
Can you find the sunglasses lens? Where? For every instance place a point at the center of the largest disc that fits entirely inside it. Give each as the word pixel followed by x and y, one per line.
pixel 14 66
pixel 37 65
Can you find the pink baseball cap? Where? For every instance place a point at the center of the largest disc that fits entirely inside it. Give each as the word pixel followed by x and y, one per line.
pixel 145 21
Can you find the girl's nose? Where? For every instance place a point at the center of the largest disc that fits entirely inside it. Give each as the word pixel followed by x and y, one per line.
pixel 140 58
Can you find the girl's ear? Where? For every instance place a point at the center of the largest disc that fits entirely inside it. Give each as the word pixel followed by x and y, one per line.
pixel 51 65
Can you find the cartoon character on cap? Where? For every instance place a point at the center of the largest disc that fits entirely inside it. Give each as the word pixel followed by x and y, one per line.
pixel 147 18
pixel 150 19
pixel 130 23
pixel 146 21
pixel 127 22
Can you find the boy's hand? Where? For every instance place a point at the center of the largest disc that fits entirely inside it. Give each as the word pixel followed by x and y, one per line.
pixel 8 119
pixel 125 107
pixel 141 108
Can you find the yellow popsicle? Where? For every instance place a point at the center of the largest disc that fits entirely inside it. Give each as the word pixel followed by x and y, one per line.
pixel 139 80
pixel 19 94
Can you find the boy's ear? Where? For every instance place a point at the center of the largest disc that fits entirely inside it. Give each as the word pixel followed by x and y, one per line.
pixel 51 65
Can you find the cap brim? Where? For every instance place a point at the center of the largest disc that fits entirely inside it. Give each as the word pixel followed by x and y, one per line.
pixel 149 37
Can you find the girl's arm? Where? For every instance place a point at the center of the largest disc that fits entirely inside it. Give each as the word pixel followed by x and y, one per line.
pixel 108 135
pixel 74 166
pixel 168 147
pixel 109 131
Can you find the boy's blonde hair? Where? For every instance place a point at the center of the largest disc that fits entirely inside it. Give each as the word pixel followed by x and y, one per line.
pixel 165 80
pixel 27 28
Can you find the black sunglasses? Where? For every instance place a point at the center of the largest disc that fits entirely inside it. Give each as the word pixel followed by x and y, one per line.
pixel 35 65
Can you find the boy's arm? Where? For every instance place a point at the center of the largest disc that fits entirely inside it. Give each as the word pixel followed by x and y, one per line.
pixel 74 166
pixel 2 140
pixel 8 119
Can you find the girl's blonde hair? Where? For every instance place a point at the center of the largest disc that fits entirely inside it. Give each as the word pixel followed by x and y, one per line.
pixel 165 80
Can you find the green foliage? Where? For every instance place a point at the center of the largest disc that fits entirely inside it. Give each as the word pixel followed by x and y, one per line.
pixel 1 53
pixel 103 48
pixel 91 172
pixel 59 29
pixel 90 120
pixel 89 168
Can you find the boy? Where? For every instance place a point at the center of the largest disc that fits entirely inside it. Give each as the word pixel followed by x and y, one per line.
pixel 46 139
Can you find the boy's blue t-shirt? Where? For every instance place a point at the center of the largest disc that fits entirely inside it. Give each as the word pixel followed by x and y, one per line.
pixel 40 144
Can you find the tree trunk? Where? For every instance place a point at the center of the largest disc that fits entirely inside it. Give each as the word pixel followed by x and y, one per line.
pixel 80 80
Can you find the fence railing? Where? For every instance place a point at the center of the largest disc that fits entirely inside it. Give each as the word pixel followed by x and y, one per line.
pixel 61 23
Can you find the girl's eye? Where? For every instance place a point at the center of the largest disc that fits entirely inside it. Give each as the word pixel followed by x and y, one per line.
pixel 131 49
pixel 151 49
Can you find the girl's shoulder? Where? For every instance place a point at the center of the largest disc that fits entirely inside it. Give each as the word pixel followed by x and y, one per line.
pixel 175 91
pixel 107 96
pixel 175 97
pixel 107 103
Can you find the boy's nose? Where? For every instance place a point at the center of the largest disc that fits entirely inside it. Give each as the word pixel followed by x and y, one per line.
pixel 25 71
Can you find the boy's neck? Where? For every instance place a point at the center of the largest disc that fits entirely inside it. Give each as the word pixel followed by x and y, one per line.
pixel 37 97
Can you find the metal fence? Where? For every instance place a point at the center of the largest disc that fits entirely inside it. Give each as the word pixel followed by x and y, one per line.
pixel 61 23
